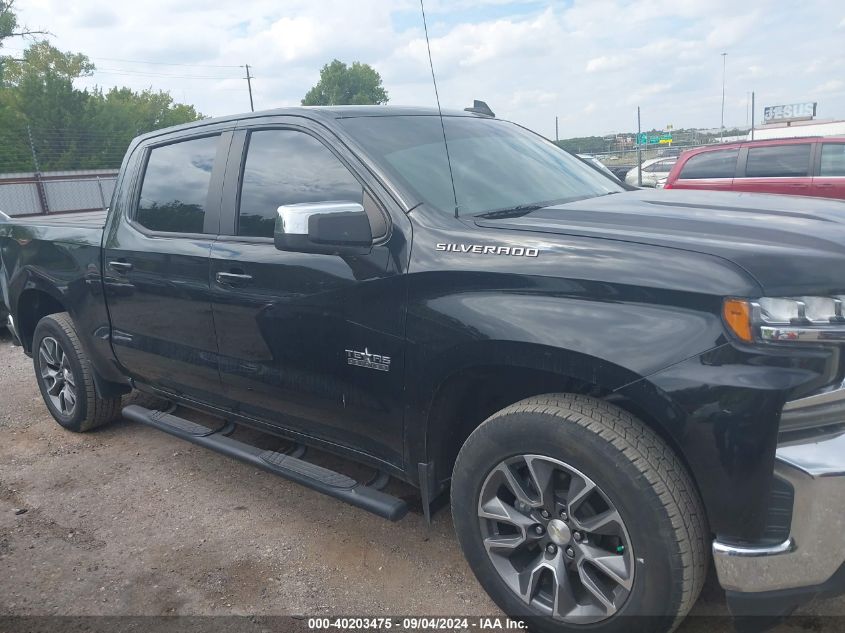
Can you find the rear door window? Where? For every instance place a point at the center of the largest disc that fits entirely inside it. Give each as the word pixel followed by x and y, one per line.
pixel 175 186
pixel 778 161
pixel 718 164
pixel 662 166
pixel 833 159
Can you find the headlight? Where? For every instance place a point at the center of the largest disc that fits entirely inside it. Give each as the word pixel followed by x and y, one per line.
pixel 795 319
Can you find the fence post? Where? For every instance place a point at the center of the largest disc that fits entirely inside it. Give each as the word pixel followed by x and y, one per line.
pixel 639 151
pixel 102 195
pixel 39 182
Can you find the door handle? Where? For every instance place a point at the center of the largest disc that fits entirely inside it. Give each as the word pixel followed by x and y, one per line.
pixel 120 266
pixel 233 279
pixel 825 185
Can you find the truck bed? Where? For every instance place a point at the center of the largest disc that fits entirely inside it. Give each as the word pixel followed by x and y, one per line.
pixel 87 219
pixel 56 252
pixel 69 228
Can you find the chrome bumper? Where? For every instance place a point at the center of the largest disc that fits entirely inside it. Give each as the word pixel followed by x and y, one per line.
pixel 815 548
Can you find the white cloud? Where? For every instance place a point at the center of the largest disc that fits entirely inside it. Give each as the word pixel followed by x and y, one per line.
pixel 731 32
pixel 468 45
pixel 832 85
pixel 588 62
pixel 645 92
pixel 607 62
pixel 525 98
pixel 286 39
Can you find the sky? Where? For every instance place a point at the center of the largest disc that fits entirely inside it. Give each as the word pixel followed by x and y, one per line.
pixel 588 62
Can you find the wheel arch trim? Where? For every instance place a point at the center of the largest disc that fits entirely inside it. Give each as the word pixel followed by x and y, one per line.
pixel 563 370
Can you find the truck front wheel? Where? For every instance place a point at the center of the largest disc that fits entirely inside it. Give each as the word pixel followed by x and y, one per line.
pixel 575 516
pixel 65 376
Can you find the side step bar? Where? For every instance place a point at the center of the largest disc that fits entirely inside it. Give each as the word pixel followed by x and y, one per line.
pixel 310 475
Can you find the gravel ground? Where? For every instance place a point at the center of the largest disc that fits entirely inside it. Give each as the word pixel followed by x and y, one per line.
pixel 129 521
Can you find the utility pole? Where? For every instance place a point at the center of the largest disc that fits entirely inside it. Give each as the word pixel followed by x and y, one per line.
pixel 722 130
pixel 752 115
pixel 639 150
pixel 557 138
pixel 747 106
pixel 249 85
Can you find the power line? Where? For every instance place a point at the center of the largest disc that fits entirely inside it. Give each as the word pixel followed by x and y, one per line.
pixel 140 73
pixel 140 61
pixel 126 72
pixel 131 72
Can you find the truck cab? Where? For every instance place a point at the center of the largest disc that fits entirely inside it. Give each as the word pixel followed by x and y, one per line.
pixel 612 385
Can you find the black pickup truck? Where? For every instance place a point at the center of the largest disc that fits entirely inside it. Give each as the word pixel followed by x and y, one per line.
pixel 614 385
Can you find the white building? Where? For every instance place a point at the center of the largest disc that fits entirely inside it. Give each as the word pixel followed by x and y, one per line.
pixel 798 128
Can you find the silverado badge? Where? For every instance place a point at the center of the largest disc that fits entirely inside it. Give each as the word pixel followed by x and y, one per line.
pixel 487 249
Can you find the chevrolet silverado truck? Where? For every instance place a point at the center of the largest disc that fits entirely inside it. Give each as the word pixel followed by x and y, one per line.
pixel 615 386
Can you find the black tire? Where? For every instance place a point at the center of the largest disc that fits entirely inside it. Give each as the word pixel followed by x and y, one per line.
pixel 89 410
pixel 634 469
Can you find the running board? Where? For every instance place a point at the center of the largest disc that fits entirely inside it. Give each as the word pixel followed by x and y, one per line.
pixel 310 475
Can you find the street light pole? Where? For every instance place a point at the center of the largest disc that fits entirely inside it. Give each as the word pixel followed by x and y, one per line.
pixel 722 128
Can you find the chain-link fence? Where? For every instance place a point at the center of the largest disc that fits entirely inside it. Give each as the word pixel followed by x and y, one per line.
pixel 620 152
pixel 621 161
pixel 55 192
pixel 58 170
pixel 31 149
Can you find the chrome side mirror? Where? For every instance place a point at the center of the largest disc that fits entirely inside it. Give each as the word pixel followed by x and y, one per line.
pixel 323 227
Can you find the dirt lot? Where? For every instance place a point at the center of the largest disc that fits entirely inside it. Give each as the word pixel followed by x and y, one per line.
pixel 128 520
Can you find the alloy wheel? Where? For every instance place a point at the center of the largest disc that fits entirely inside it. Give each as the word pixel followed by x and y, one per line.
pixel 556 539
pixel 57 376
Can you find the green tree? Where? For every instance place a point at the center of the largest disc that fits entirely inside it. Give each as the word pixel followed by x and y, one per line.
pixel 119 115
pixel 358 84
pixel 9 26
pixel 585 144
pixel 14 150
pixel 38 92
pixel 8 20
pixel 72 128
pixel 44 62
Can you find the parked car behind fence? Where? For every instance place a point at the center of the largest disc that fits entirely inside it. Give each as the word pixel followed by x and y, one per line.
pixel 653 170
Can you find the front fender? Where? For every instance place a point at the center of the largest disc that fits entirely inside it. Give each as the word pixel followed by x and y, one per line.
pixel 662 354
pixel 722 411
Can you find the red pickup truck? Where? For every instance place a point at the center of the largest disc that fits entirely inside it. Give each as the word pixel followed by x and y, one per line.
pixel 812 166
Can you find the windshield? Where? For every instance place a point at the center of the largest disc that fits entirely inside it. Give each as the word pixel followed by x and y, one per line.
pixel 496 165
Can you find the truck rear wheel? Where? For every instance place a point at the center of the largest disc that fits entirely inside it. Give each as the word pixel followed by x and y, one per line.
pixel 575 516
pixel 65 376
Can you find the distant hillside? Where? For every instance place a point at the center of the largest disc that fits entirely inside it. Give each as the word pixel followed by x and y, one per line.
pixel 626 140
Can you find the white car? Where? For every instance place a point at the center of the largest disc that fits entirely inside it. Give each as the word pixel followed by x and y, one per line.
pixel 598 164
pixel 654 170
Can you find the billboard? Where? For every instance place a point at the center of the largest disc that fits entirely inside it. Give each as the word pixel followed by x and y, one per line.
pixel 791 112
